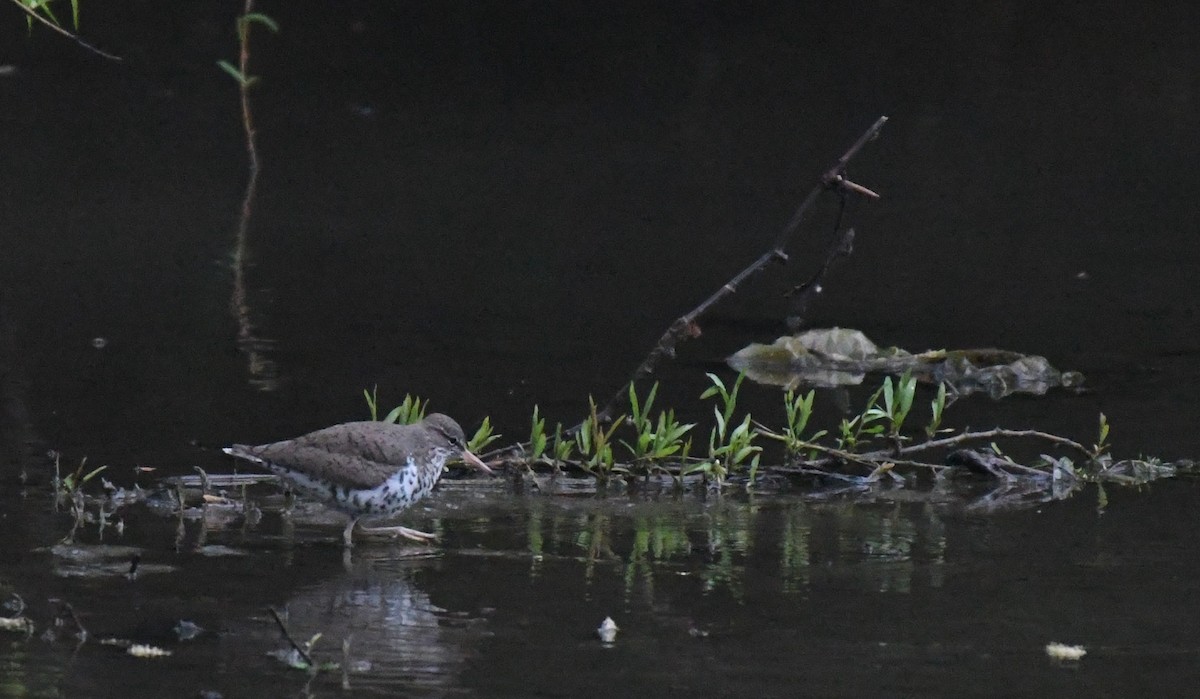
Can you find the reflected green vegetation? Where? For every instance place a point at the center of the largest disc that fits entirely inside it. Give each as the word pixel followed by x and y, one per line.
pixel 892 547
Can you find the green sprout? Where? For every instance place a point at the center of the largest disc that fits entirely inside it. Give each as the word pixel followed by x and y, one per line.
pixel 482 437
pixel 595 444
pixel 728 397
pixel 799 409
pixel 729 449
pixel 897 403
pixel 1102 445
pixel 655 440
pixel 563 448
pixel 855 429
pixel 937 407
pixel 411 410
pixel 243 32
pixel 41 8
pixel 537 436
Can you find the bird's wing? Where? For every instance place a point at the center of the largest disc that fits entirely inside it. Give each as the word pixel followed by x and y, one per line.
pixel 315 462
pixel 358 454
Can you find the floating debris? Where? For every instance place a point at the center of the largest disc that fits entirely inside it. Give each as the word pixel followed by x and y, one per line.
pixel 293 659
pixel 608 630
pixel 187 630
pixel 16 623
pixel 1065 653
pixel 833 357
pixel 102 561
pixel 218 550
pixel 141 650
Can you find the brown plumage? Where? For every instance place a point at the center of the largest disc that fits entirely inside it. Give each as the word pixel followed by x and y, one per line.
pixel 366 468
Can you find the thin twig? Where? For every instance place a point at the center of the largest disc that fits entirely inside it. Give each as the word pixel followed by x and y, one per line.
pixel 841 246
pixel 869 458
pixel 834 177
pixel 685 326
pixel 832 454
pixel 287 635
pixel 991 434
pixel 73 37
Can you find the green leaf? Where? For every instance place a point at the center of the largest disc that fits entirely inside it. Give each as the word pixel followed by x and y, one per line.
pixel 372 404
pixel 263 20
pixel 44 6
pixel 908 389
pixel 92 475
pixel 233 71
pixel 743 453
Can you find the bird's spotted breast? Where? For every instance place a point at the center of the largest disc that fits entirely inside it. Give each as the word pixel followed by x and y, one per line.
pixel 408 484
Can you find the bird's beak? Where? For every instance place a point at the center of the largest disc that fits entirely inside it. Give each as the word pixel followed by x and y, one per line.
pixel 475 461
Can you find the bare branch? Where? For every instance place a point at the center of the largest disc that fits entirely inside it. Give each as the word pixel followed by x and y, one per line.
pixel 287 635
pixel 686 326
pixel 993 434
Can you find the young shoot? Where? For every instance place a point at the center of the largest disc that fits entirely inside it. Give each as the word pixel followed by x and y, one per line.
pixel 728 397
pixel 655 441
pixel 937 407
pixel 595 444
pixel 482 437
pixel 563 448
pixel 411 410
pixel 537 436
pixel 730 448
pixel 897 403
pixel 853 430
pixel 1101 444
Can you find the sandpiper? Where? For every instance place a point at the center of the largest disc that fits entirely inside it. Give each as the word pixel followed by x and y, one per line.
pixel 367 468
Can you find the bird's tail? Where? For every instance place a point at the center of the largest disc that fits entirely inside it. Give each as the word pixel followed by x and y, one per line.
pixel 241 451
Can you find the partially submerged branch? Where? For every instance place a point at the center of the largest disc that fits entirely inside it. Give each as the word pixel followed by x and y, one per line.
pixel 686 326
pixel 291 641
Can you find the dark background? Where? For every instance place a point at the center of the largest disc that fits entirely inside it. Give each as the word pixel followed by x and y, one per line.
pixel 494 205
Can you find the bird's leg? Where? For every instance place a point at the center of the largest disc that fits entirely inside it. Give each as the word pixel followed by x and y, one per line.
pixel 413 534
pixel 348 533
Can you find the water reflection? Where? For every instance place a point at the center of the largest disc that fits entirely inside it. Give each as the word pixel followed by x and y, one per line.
pixel 748 582
pixel 884 547
pixel 377 623
pixel 263 371
pixel 17 436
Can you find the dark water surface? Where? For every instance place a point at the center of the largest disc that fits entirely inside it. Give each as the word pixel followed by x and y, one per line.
pixel 761 597
pixel 497 206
